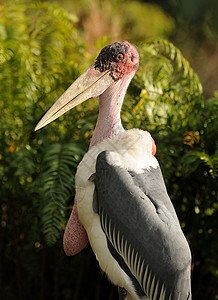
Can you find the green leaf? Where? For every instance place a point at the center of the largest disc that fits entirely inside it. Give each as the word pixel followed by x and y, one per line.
pixel 57 187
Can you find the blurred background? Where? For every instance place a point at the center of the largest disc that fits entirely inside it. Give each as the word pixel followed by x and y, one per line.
pixel 44 47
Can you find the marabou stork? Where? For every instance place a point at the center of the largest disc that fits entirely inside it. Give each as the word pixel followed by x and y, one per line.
pixel 122 200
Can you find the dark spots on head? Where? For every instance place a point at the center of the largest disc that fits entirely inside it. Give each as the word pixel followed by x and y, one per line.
pixel 109 56
pixel 119 59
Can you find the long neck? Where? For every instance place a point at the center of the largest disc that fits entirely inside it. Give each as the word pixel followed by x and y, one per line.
pixel 110 103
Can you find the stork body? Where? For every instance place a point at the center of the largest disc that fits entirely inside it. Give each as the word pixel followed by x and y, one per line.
pixel 121 196
pixel 134 221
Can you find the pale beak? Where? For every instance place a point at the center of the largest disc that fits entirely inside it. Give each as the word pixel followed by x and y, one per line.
pixel 90 84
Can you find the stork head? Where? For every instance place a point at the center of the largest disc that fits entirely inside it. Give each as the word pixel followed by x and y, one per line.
pixel 119 59
pixel 114 63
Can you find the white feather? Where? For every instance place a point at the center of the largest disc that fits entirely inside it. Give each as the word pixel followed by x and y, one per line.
pixel 132 150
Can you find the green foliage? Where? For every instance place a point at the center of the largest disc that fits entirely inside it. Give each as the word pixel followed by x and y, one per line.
pixel 193 159
pixel 138 21
pixel 57 184
pixel 182 74
pixel 40 55
pixel 165 77
pixel 39 59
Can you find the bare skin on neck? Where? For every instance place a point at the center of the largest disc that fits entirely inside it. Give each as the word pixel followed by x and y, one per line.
pixel 121 59
pixel 108 125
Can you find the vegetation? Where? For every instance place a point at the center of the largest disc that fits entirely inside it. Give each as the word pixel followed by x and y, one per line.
pixel 41 54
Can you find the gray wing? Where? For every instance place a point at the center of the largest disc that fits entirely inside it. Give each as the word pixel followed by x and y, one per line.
pixel 142 230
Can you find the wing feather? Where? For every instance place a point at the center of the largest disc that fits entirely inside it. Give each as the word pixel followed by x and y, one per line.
pixel 142 229
pixel 156 291
pixel 145 279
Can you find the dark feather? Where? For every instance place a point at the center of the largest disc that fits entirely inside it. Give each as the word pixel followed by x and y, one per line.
pixel 142 230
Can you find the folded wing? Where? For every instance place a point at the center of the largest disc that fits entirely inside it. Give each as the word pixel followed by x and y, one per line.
pixel 142 229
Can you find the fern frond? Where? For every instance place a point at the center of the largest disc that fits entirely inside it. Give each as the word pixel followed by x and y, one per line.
pixel 179 63
pixel 193 159
pixel 57 187
pixel 169 88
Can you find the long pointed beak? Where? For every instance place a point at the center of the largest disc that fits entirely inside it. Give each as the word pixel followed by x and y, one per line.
pixel 90 84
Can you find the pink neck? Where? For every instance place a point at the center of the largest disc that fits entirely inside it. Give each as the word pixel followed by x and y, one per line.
pixel 110 103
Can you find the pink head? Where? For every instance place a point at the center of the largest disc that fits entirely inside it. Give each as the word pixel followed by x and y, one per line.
pixel 119 58
pixel 114 63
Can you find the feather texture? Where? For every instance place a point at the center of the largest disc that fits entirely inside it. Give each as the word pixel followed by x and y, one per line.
pixel 135 235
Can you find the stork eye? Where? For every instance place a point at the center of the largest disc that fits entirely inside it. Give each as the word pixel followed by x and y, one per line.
pixel 120 56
